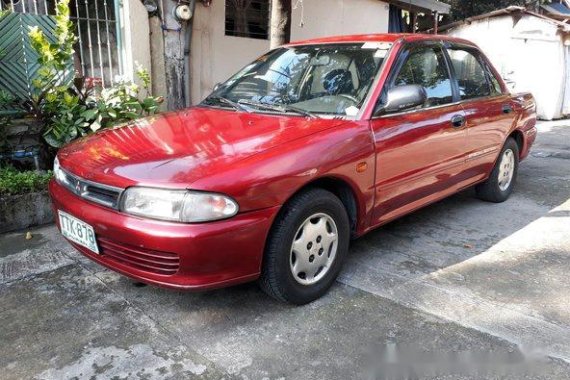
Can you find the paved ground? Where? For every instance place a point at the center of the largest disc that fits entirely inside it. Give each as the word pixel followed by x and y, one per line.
pixel 459 276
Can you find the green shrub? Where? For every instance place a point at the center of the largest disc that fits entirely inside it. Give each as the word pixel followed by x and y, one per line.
pixel 69 109
pixel 6 100
pixel 13 182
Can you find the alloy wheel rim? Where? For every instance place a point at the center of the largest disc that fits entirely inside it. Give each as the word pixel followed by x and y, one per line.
pixel 506 169
pixel 314 249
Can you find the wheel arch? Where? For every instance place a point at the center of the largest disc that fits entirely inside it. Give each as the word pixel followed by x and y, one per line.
pixel 343 190
pixel 518 136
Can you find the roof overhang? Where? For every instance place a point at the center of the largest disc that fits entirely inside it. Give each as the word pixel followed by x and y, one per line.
pixel 425 6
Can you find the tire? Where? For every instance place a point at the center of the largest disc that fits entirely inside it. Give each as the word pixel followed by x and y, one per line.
pixel 497 188
pixel 302 237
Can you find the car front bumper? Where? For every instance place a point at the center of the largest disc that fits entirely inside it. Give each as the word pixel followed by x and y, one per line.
pixel 174 255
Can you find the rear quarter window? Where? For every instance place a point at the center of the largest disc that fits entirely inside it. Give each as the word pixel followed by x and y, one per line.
pixel 495 84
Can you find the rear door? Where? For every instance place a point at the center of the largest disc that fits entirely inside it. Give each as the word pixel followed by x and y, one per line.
pixel 420 153
pixel 488 109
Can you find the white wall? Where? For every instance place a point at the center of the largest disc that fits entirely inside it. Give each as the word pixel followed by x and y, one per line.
pixel 529 54
pixel 136 37
pixel 338 17
pixel 215 57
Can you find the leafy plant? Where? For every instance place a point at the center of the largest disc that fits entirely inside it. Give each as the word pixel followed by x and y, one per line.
pixel 13 182
pixel 68 106
pixel 54 77
pixel 78 112
pixel 6 100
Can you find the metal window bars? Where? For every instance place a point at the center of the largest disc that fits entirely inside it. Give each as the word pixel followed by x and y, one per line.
pixel 97 26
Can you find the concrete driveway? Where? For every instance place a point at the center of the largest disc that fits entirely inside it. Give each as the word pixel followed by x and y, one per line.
pixel 459 276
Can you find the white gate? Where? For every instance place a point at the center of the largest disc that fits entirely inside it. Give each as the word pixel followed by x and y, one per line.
pixel 99 47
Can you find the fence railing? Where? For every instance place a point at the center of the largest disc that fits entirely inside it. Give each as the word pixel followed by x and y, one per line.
pixel 18 61
pixel 98 49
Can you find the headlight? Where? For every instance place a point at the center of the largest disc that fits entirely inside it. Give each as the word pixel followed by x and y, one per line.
pixel 58 173
pixel 177 205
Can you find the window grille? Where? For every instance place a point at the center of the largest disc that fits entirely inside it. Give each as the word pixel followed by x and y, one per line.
pixel 247 18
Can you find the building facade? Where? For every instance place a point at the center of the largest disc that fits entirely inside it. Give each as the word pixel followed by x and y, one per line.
pixel 531 52
pixel 191 45
pixel 218 52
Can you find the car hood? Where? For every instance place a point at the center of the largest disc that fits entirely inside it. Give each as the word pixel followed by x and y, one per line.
pixel 175 149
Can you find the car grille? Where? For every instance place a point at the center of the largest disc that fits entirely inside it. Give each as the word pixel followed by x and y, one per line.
pixel 95 192
pixel 157 262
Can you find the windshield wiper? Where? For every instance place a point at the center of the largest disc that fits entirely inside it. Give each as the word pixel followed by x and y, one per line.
pixel 231 103
pixel 283 108
pixel 300 111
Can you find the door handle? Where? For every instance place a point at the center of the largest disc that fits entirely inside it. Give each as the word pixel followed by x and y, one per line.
pixel 507 108
pixel 458 121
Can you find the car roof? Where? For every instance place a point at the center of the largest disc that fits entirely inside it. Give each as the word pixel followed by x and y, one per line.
pixel 384 37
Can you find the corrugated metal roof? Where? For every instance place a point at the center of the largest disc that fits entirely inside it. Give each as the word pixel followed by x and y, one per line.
pixel 557 9
pixel 512 10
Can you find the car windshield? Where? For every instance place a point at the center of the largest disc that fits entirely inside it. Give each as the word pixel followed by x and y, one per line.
pixel 308 80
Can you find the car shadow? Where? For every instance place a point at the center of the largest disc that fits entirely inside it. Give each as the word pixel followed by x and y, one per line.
pixel 460 227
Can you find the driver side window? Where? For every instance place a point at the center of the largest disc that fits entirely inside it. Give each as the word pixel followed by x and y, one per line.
pixel 426 67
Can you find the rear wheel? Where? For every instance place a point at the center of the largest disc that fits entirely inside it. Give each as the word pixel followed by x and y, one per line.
pixel 500 183
pixel 306 247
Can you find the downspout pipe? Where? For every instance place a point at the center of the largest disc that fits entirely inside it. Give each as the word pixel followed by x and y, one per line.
pixel 187 46
pixel 565 83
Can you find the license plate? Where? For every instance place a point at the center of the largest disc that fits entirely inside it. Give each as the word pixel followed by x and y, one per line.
pixel 77 231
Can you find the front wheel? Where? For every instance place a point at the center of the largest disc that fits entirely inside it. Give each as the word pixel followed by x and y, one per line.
pixel 306 247
pixel 500 183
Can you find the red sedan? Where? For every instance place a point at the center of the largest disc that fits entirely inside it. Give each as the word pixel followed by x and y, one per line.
pixel 309 146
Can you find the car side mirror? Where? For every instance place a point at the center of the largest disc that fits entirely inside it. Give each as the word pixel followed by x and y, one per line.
pixel 404 97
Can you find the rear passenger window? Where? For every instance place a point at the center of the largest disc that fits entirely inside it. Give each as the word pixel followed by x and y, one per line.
pixel 495 86
pixel 426 67
pixel 471 75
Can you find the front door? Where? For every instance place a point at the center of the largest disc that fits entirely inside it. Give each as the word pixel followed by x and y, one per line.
pixel 420 153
